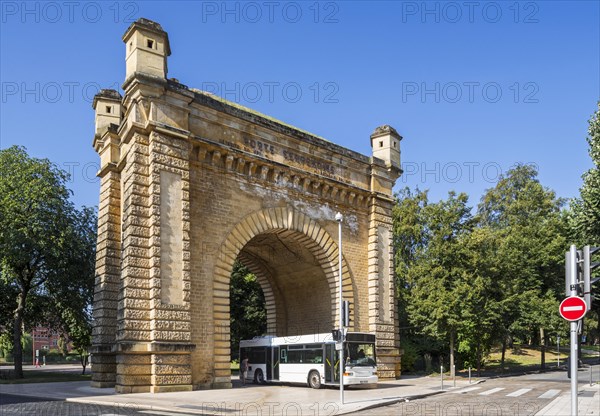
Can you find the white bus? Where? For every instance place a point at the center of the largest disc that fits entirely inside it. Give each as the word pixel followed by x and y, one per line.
pixel 310 359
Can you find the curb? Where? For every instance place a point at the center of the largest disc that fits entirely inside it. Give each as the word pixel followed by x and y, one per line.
pixel 394 401
pixel 408 398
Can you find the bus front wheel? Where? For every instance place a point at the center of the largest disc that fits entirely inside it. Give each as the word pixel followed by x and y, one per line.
pixel 314 380
pixel 259 377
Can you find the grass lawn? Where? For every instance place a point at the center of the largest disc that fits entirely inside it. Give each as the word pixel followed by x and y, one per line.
pixel 35 376
pixel 523 357
pixel 527 358
pixel 235 368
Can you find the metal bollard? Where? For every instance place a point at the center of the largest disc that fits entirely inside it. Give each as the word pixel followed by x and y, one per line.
pixel 591 381
pixel 469 375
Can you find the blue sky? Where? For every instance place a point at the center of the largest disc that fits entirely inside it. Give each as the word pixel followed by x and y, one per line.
pixel 473 87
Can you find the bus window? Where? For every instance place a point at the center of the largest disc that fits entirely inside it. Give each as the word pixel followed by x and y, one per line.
pixel 313 356
pixel 255 355
pixel 295 356
pixel 284 358
pixel 360 354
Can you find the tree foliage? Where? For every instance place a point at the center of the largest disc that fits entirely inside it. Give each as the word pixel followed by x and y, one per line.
pixel 248 312
pixel 584 216
pixel 482 279
pixel 46 248
pixel 586 209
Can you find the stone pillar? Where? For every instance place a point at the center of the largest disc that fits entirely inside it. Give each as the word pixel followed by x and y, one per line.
pixel 383 320
pixel 107 104
pixel 134 370
pixel 170 317
pixel 383 315
pixel 107 281
pixel 153 343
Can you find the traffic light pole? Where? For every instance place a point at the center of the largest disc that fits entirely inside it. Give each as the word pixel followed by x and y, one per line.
pixel 572 274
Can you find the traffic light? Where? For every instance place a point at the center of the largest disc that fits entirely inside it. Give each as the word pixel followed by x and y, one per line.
pixel 346 313
pixel 336 334
pixel 588 266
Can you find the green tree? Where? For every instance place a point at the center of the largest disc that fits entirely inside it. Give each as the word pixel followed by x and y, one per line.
pixel 527 224
pixel 478 289
pixel 430 262
pixel 62 345
pixel 587 208
pixel 80 334
pixel 72 299
pixel 46 247
pixel 248 312
pixel 585 211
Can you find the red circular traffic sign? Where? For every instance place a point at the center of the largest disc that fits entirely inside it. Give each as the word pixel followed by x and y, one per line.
pixel 573 308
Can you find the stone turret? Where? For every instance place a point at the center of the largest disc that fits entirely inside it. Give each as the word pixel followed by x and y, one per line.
pixel 147 49
pixel 109 113
pixel 385 142
pixel 107 104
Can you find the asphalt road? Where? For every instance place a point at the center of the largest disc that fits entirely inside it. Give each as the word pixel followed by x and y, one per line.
pixel 521 395
pixel 12 405
pixel 517 395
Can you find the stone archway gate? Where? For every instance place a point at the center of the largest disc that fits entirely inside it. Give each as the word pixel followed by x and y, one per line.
pixel 190 183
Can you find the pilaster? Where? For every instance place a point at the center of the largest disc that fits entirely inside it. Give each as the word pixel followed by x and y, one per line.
pixel 107 279
pixel 170 262
pixel 133 324
pixel 382 306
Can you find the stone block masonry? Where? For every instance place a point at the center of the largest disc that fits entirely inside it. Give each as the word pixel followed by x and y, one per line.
pixel 190 183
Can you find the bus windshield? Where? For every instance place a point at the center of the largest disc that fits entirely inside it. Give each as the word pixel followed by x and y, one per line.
pixel 360 354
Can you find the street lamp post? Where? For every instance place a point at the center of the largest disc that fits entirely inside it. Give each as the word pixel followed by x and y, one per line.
pixel 339 218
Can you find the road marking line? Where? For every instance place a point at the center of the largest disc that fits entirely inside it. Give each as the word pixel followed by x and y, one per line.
pixel 572 308
pixel 159 412
pixel 466 390
pixel 549 394
pixel 518 393
pixel 492 391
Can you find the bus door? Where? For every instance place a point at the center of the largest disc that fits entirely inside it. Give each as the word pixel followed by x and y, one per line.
pixel 273 366
pixel 331 375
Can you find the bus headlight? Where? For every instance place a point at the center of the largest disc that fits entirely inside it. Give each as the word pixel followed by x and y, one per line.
pixel 349 374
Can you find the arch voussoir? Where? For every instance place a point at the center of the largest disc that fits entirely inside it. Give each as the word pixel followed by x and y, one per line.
pixel 290 225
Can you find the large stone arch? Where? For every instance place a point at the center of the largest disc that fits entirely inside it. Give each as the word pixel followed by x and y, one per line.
pixel 306 232
pixel 190 182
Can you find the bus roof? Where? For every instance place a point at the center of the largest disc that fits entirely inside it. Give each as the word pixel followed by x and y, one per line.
pixel 304 339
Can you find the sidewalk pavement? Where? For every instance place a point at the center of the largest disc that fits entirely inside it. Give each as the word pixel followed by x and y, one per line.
pixel 68 368
pixel 249 399
pixel 588 402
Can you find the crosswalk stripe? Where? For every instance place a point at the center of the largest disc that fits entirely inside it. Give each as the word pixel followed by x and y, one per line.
pixel 549 394
pixel 466 390
pixel 492 391
pixel 518 393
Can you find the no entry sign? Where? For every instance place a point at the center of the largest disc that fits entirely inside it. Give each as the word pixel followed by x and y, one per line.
pixel 573 308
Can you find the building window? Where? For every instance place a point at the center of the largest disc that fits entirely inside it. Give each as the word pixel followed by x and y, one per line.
pixel 380 144
pixel 150 43
pixel 108 109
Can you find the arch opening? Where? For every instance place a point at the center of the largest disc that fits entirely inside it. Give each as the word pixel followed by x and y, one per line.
pixel 298 296
pixel 295 261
